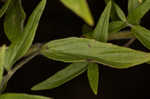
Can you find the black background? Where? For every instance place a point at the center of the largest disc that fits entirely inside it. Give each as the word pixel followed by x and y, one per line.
pixel 59 22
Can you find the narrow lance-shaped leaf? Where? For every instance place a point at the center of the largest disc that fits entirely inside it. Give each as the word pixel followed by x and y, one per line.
pixel 120 13
pixel 93 76
pixel 80 7
pixel 21 96
pixel 14 20
pixel 4 8
pixel 18 48
pixel 101 30
pixel 116 26
pixel 132 4
pixel 62 76
pixel 2 61
pixel 136 15
pixel 82 50
pixel 113 14
pixel 142 34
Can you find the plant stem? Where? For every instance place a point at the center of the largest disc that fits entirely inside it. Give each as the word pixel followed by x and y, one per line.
pixel 120 35
pixel 130 42
pixel 19 65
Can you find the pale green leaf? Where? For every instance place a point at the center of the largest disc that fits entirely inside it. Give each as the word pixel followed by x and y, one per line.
pixel 136 15
pixel 18 48
pixel 120 13
pixel 62 76
pixel 142 34
pixel 21 96
pixel 2 61
pixel 93 76
pixel 83 50
pixel 80 7
pixel 101 30
pixel 116 26
pixel 14 20
pixel 4 8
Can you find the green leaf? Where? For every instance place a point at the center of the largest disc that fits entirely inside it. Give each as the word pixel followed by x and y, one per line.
pixel 83 50
pixel 142 34
pixel 18 48
pixel 14 20
pixel 21 96
pixel 93 76
pixel 80 7
pixel 132 4
pixel 62 76
pixel 116 26
pixel 136 15
pixel 2 61
pixel 4 8
pixel 113 14
pixel 101 30
pixel 120 13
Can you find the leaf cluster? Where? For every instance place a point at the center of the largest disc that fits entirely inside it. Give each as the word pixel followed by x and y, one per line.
pixel 84 54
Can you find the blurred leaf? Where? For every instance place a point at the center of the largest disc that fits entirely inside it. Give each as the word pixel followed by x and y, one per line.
pixel 83 50
pixel 142 34
pixel 136 15
pixel 132 4
pixel 4 8
pixel 80 7
pixel 21 96
pixel 2 61
pixel 120 13
pixel 62 76
pixel 121 35
pixel 101 30
pixel 93 76
pixel 116 26
pixel 18 48
pixel 14 20
pixel 113 14
pixel 86 29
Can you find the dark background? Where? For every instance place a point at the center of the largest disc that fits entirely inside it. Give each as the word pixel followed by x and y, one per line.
pixel 59 22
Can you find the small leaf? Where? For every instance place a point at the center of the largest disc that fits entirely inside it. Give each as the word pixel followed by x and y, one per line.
pixel 120 13
pixel 21 96
pixel 116 26
pixel 113 14
pixel 80 7
pixel 83 50
pixel 132 4
pixel 18 48
pixel 93 76
pixel 136 15
pixel 2 61
pixel 62 76
pixel 14 20
pixel 142 34
pixel 4 8
pixel 101 30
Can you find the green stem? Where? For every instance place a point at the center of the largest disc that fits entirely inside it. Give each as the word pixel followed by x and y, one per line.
pixel 120 35
pixel 130 42
pixel 30 55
